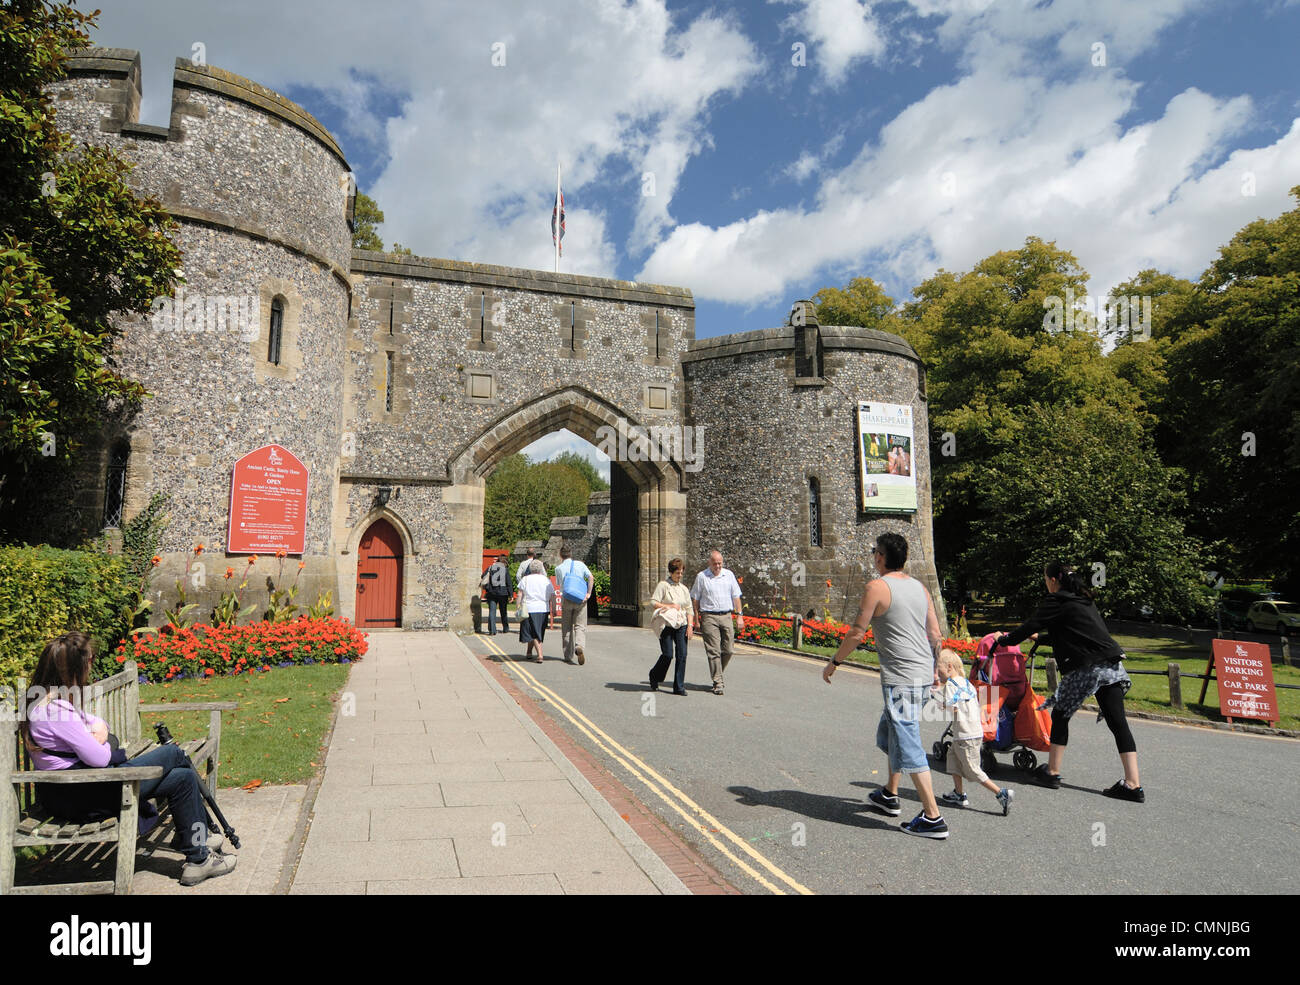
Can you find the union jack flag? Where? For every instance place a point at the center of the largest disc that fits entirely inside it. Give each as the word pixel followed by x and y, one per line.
pixel 557 215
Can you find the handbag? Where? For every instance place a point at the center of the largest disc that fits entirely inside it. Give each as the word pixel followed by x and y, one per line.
pixel 1033 727
pixel 574 586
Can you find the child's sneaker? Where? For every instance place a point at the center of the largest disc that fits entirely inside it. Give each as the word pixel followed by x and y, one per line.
pixel 925 827
pixel 956 799
pixel 890 805
pixel 1004 798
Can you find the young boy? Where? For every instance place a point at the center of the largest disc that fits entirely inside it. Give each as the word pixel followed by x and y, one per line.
pixel 958 700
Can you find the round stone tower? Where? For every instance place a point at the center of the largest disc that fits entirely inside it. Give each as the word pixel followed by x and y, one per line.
pixel 250 350
pixel 779 493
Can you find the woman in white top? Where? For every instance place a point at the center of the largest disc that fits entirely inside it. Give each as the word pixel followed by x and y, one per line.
pixel 537 596
pixel 672 621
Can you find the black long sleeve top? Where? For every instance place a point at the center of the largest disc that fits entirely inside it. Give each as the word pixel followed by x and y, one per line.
pixel 1075 631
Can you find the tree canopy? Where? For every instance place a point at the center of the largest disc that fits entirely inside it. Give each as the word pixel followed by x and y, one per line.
pixel 76 245
pixel 522 497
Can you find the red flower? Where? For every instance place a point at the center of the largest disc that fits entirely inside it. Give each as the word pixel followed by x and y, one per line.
pixel 253 559
pixel 209 672
pixel 301 565
pixel 198 548
pixel 279 554
pixel 229 572
pixel 155 560
pixel 120 658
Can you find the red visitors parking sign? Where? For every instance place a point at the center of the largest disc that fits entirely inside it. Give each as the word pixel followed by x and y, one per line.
pixel 268 503
pixel 1245 678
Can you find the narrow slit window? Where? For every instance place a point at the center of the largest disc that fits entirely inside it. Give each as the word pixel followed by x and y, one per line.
pixel 115 485
pixel 814 513
pixel 388 384
pixel 573 321
pixel 276 333
pixel 482 316
pixel 658 353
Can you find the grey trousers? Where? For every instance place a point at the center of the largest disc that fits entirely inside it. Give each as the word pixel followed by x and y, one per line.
pixel 573 626
pixel 719 634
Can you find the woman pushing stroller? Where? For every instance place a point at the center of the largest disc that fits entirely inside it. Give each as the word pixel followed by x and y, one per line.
pixel 1089 660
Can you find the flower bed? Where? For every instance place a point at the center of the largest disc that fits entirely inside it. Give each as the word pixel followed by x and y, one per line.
pixel 207 651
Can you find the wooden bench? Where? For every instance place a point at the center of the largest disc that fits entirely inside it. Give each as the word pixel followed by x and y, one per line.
pixel 23 822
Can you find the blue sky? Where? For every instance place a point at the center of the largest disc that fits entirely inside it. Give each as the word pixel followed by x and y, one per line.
pixel 916 134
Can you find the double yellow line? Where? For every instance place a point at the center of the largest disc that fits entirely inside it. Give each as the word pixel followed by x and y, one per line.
pixel 694 815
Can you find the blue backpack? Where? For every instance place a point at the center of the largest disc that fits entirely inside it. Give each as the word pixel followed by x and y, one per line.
pixel 574 586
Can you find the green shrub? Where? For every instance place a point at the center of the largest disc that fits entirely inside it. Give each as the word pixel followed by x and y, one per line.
pixel 46 592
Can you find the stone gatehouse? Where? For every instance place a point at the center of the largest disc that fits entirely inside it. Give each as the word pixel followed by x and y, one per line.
pixel 401 382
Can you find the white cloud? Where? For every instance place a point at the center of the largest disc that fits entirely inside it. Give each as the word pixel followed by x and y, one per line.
pixel 609 89
pixel 1001 154
pixel 841 32
pixel 803 168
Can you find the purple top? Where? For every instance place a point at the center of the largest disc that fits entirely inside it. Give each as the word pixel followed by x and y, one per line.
pixel 57 725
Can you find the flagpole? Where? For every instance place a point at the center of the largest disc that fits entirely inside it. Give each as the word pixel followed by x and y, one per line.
pixel 558 218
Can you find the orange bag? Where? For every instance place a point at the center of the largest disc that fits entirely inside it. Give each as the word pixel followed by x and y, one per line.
pixel 990 699
pixel 1033 728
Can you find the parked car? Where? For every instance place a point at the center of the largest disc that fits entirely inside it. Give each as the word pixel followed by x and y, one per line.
pixel 1274 616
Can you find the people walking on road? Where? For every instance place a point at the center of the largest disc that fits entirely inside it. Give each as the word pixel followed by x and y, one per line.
pixel 672 624
pixel 901 612
pixel 715 596
pixel 1090 663
pixel 576 584
pixel 496 586
pixel 62 736
pixel 960 705
pixel 536 598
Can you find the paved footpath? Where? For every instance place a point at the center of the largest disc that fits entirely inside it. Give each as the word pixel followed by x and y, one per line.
pixel 436 781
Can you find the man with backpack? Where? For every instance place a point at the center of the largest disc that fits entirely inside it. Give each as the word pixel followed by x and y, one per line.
pixel 576 582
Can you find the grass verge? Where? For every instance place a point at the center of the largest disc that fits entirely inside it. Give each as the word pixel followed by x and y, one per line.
pixel 274 736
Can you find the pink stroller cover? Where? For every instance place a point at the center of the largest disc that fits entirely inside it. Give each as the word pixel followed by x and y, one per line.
pixel 1006 669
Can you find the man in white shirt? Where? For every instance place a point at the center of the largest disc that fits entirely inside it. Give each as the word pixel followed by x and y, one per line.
pixel 715 596
pixel 571 573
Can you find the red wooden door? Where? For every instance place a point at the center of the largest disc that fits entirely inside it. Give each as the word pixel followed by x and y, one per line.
pixel 379 576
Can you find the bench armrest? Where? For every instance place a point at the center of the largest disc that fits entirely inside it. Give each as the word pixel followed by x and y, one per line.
pixel 197 706
pixel 107 774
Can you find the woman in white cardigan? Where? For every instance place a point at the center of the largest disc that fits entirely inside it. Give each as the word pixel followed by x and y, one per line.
pixel 537 598
pixel 672 622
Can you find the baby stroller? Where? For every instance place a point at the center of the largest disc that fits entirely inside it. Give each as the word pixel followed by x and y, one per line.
pixel 1001 683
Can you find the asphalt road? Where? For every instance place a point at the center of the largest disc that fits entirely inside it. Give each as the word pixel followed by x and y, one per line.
pixel 770 782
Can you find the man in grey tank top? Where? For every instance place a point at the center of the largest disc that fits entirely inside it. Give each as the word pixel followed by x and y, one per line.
pixel 908 638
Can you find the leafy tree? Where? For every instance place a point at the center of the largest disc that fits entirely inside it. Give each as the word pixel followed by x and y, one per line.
pixel 583 466
pixel 1231 413
pixel 862 302
pixel 400 250
pixel 366 218
pixel 521 498
pixel 1080 484
pixel 76 246
pixel 1026 400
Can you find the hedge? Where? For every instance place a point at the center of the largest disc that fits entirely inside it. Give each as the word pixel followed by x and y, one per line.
pixel 46 592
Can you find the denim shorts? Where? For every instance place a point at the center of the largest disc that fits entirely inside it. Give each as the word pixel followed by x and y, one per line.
pixel 899 732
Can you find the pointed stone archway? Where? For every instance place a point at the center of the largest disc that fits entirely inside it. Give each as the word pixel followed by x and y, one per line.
pixel 660 489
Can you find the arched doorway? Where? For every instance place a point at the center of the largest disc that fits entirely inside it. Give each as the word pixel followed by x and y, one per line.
pixel 647 528
pixel 379 576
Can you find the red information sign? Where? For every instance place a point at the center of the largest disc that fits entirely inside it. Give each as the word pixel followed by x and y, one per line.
pixel 268 503
pixel 1245 678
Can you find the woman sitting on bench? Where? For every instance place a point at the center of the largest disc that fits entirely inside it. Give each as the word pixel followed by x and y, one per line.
pixel 60 737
